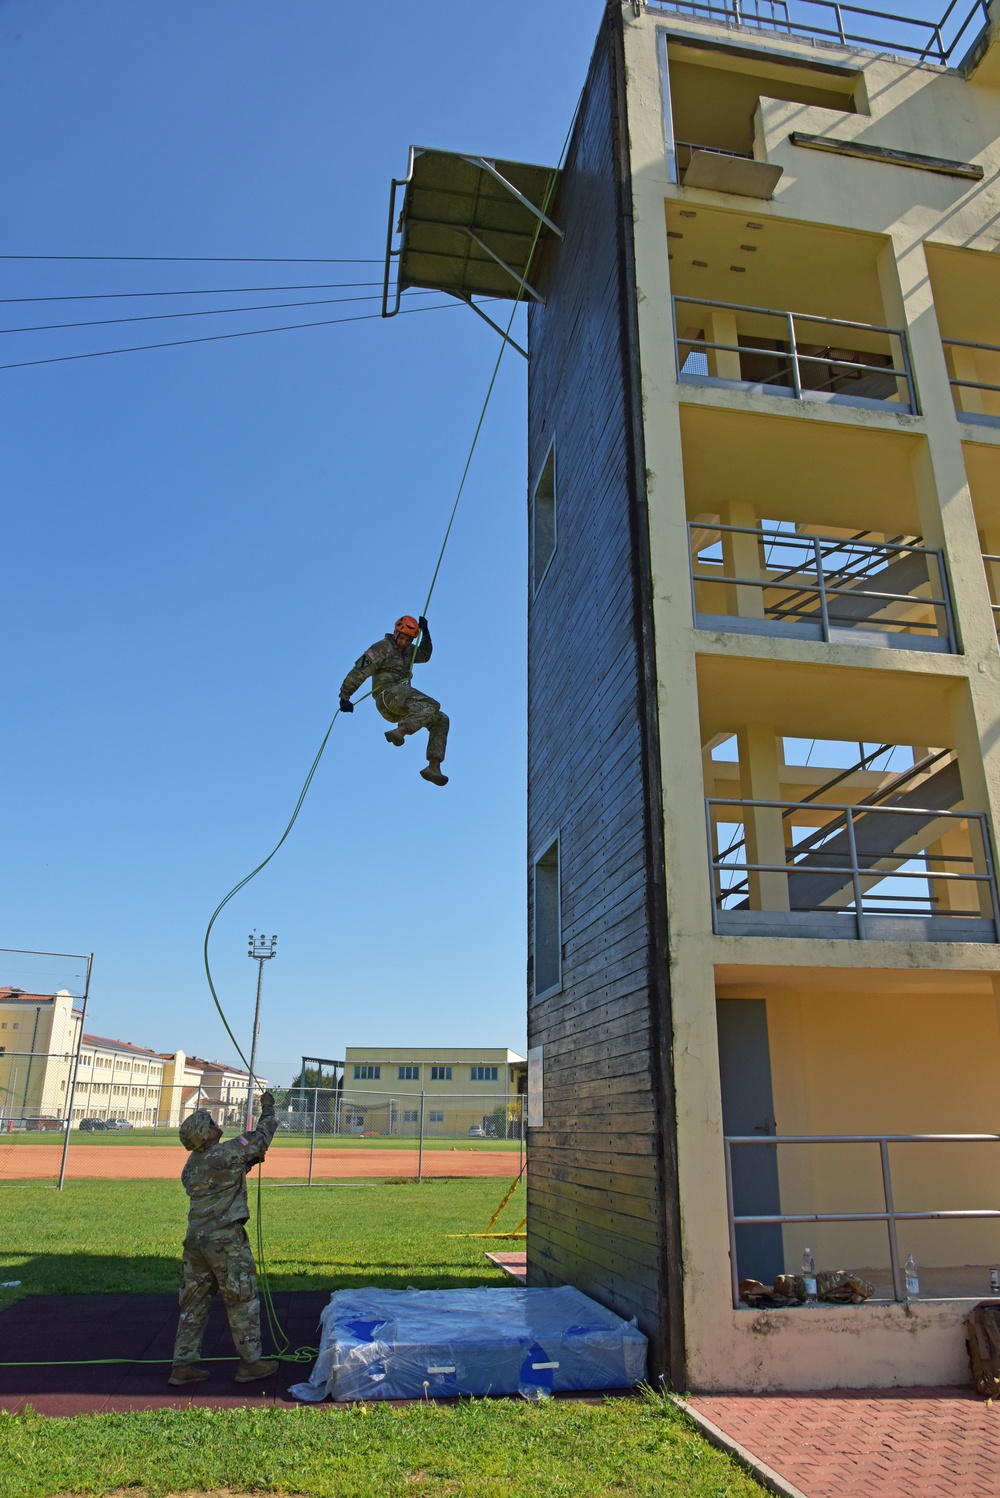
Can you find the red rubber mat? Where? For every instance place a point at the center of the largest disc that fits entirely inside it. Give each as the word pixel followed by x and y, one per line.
pixel 68 1327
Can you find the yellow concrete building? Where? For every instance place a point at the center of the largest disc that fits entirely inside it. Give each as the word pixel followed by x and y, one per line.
pixel 818 319
pixel 464 1088
pixel 118 1080
pixel 38 1040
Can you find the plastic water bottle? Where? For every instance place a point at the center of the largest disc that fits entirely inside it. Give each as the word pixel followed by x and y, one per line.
pixel 808 1273
pixel 995 1281
pixel 912 1278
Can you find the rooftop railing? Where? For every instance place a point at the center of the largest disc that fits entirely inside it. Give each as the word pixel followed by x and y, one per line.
pixel 846 25
pixel 759 580
pixel 769 352
pixel 890 1215
pixel 897 872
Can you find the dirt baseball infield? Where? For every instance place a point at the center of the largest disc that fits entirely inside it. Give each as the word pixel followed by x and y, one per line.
pixel 40 1162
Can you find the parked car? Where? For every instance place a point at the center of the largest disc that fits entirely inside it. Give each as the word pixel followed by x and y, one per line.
pixel 118 1123
pixel 477 1132
pixel 45 1124
pixel 92 1124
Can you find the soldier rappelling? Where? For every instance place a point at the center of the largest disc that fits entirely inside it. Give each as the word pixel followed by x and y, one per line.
pixel 389 662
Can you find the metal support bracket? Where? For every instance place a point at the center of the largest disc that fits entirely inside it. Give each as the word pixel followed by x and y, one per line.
pixel 495 326
pixel 524 285
pixel 489 166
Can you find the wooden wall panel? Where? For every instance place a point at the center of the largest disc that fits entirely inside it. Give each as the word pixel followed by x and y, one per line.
pixel 599 1193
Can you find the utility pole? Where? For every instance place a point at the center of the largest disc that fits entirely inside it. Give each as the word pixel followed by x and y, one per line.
pixel 261 948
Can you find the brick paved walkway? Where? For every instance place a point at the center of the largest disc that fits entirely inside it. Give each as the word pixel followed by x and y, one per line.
pixel 869 1443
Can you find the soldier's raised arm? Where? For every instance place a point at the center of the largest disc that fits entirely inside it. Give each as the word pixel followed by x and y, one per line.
pixel 425 648
pixel 255 1144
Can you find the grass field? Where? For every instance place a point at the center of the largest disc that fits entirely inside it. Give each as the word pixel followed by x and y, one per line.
pixel 120 1236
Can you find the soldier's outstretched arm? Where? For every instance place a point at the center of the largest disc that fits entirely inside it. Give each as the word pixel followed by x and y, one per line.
pixel 256 1143
pixel 363 667
pixel 425 648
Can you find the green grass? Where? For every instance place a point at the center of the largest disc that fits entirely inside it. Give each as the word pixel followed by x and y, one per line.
pixel 476 1449
pixel 125 1236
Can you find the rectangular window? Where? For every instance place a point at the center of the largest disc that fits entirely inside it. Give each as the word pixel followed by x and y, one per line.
pixel 482 1073
pixel 435 1116
pixel 365 1073
pixel 409 1074
pixel 548 922
pixel 543 521
pixel 440 1073
pixel 411 1115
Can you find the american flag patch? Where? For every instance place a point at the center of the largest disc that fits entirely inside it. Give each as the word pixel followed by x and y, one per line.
pixel 244 1139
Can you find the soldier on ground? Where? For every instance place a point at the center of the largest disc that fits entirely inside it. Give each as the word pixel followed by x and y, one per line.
pixel 217 1253
pixel 390 662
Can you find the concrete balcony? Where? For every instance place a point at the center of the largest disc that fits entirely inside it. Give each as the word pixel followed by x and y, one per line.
pixel 809 586
pixel 900 867
pixel 791 355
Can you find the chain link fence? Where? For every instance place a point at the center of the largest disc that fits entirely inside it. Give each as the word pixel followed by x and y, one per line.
pixel 63 1120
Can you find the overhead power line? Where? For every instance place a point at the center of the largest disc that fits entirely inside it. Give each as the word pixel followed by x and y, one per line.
pixel 207 259
pixel 106 296
pixel 219 337
pixel 107 322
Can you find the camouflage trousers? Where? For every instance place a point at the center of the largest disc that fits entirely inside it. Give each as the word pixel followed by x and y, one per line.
pixel 220 1260
pixel 412 710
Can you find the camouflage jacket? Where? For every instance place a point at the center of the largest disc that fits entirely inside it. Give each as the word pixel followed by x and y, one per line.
pixel 386 664
pixel 216 1178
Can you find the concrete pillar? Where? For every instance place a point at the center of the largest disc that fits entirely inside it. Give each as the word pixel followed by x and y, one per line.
pixel 720 327
pixel 741 558
pixel 764 826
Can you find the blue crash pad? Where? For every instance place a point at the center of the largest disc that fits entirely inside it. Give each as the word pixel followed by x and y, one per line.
pixel 430 1344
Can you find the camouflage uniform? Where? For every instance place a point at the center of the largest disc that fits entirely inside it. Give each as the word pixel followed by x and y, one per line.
pixel 217 1253
pixel 398 701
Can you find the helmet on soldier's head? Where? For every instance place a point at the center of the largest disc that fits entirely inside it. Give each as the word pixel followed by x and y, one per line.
pixel 408 626
pixel 196 1128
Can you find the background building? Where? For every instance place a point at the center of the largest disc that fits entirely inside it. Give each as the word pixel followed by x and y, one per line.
pixel 464 1088
pixel 38 1040
pixel 118 1080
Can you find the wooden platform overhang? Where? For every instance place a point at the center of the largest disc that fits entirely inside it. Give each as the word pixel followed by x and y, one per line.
pixel 468 226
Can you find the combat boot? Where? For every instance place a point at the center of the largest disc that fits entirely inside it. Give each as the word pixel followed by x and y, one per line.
pixel 432 772
pixel 396 736
pixel 248 1373
pixel 187 1373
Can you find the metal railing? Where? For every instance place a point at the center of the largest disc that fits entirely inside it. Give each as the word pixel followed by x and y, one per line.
pixel 891 1215
pixel 821 588
pixel 966 412
pixel 993 587
pixel 827 884
pixel 806 371
pixel 835 22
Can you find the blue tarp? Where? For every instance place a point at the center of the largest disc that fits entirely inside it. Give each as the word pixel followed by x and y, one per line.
pixel 417 1344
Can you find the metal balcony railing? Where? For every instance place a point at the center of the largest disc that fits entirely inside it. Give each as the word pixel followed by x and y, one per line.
pixel 976 400
pixel 788 364
pixel 896 872
pixel 849 25
pixel 890 1215
pixel 815 587
pixel 994 588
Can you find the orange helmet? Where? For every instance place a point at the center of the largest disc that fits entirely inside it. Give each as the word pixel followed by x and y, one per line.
pixel 407 626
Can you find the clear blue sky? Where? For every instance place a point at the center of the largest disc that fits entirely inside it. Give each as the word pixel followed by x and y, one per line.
pixel 199 541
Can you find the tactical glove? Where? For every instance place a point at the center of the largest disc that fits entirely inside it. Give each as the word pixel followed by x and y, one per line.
pixel 423 624
pixel 346 705
pixel 267 1102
